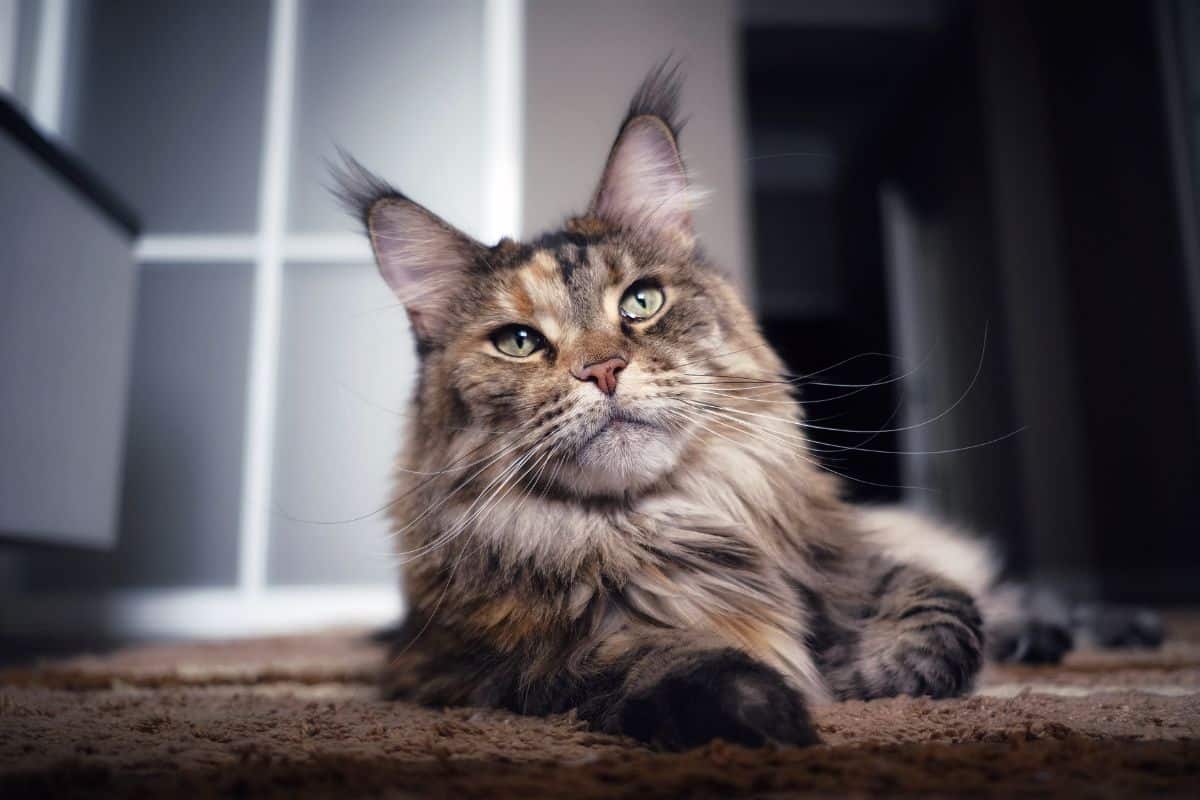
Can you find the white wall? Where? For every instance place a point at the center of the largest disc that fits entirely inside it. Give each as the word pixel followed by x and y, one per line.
pixel 583 62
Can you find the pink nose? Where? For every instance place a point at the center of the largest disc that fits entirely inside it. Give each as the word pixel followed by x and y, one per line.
pixel 603 373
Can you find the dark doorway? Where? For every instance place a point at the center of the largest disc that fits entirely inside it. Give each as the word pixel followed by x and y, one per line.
pixel 986 193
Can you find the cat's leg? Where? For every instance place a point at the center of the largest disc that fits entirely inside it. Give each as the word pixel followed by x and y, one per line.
pixel 1024 624
pixel 670 688
pixel 1020 625
pixel 917 634
pixel 678 696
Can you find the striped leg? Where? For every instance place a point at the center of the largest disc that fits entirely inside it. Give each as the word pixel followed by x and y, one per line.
pixel 921 636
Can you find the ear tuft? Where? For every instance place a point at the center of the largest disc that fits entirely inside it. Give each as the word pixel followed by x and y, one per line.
pixel 658 96
pixel 357 189
pixel 424 259
pixel 644 187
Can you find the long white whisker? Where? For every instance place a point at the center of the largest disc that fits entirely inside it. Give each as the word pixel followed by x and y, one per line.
pixel 444 537
pixel 834 448
pixel 720 355
pixel 765 437
pixel 914 426
pixel 462 485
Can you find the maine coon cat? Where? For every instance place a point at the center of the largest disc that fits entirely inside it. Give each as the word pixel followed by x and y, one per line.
pixel 605 500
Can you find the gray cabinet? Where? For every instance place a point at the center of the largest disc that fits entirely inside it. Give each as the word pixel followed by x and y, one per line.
pixel 66 311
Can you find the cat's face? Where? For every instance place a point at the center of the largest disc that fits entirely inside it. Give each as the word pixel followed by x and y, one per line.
pixel 593 344
pixel 588 352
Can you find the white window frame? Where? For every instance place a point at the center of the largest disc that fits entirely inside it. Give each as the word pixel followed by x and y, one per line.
pixel 253 606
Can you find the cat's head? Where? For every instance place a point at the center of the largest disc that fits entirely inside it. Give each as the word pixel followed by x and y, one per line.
pixel 595 344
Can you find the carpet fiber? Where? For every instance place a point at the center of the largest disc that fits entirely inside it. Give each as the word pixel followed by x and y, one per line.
pixel 299 714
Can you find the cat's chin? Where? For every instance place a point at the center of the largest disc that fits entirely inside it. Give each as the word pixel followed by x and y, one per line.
pixel 622 457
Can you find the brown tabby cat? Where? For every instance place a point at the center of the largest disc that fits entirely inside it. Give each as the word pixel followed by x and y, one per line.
pixel 606 501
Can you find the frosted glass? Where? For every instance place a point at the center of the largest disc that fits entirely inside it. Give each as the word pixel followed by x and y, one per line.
pixel 165 101
pixel 346 367
pixel 400 86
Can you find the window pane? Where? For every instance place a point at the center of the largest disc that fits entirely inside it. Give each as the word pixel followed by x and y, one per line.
pixel 165 102
pixel 398 85
pixel 346 365
pixel 28 24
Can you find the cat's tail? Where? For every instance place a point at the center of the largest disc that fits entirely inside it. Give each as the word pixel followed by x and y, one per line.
pixel 1023 623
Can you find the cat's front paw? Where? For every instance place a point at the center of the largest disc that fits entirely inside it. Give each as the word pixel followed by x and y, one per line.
pixel 931 648
pixel 725 695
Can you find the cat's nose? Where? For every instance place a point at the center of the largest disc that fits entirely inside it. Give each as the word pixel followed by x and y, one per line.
pixel 602 373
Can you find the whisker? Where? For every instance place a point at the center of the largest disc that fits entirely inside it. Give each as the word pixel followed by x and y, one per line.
pixel 914 426
pixel 721 355
pixel 804 377
pixel 807 402
pixel 445 537
pixel 820 465
pixel 527 476
pixel 844 361
pixel 801 438
pixel 445 588
pixel 283 513
pixel 408 415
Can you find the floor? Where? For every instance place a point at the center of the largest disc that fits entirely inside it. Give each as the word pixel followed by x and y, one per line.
pixel 285 715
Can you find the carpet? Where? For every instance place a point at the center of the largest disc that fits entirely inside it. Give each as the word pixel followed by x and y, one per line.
pixel 299 715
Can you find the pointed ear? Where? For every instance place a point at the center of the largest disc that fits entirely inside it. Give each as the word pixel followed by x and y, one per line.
pixel 644 185
pixel 423 258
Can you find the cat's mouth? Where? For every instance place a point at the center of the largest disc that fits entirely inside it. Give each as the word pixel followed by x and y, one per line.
pixel 619 422
pixel 620 450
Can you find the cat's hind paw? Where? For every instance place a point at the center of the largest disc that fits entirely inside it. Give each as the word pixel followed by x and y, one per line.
pixel 1117 626
pixel 1029 642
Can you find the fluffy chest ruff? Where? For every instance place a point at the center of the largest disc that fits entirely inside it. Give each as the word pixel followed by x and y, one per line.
pixel 556 584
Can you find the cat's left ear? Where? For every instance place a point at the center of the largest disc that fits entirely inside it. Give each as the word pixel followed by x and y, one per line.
pixel 424 259
pixel 644 186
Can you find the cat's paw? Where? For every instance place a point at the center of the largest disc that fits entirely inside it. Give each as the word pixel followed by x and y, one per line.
pixel 725 695
pixel 941 663
pixel 933 648
pixel 1116 626
pixel 1029 642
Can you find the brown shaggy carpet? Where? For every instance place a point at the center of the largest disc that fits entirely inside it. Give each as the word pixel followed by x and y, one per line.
pixel 296 715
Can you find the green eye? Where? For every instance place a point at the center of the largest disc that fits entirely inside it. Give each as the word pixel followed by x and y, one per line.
pixel 518 341
pixel 642 301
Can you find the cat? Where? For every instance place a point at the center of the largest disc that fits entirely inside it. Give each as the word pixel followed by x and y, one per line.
pixel 605 500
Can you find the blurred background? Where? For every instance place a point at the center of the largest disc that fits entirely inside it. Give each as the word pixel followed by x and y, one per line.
pixel 975 219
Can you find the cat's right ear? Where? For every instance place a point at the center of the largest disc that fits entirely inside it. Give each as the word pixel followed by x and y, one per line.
pixel 644 187
pixel 424 259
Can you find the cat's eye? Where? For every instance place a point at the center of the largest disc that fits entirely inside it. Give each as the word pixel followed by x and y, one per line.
pixel 642 301
pixel 518 341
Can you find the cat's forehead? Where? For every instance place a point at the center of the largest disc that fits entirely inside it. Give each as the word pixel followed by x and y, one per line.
pixel 566 280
